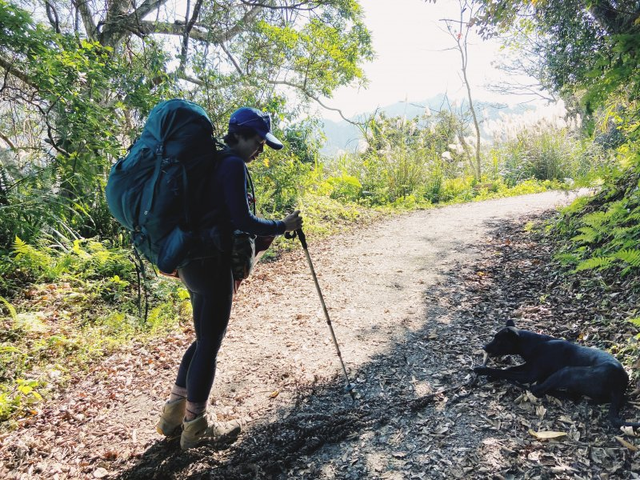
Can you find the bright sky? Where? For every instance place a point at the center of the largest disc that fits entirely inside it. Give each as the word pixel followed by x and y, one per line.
pixel 415 58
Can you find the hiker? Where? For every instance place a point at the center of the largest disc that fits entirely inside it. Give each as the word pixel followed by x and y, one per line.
pixel 224 204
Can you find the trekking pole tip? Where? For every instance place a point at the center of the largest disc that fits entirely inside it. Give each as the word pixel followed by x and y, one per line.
pixel 350 388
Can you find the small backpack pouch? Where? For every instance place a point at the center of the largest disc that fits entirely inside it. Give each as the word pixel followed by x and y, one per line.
pixel 243 254
pixel 175 250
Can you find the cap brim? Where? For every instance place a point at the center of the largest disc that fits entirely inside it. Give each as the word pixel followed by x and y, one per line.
pixel 273 142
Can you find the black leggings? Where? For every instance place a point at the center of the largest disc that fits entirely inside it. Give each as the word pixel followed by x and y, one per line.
pixel 210 285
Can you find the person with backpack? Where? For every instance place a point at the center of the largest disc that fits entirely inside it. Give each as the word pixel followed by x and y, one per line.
pixel 222 205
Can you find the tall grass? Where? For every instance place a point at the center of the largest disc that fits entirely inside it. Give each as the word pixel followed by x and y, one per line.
pixel 544 145
pixel 426 160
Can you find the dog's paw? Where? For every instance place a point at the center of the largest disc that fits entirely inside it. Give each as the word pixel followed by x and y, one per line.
pixel 481 370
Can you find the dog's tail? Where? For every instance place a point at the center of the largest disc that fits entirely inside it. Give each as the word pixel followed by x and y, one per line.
pixel 619 422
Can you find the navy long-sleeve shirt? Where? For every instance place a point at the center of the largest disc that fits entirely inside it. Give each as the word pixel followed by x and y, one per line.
pixel 223 201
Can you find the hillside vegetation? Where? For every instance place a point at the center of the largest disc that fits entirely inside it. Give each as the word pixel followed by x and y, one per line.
pixel 75 92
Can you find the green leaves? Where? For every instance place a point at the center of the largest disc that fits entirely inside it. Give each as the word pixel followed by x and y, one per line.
pixel 586 51
pixel 629 256
pixel 84 90
pixel 627 260
pixel 603 230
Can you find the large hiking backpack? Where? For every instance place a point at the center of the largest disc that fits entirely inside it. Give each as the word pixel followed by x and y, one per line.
pixel 147 190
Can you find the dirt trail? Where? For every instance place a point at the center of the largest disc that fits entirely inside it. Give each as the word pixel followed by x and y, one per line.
pixel 393 293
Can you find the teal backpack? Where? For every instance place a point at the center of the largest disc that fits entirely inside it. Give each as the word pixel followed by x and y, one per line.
pixel 147 190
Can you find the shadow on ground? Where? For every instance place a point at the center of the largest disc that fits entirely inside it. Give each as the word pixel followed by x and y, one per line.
pixel 420 413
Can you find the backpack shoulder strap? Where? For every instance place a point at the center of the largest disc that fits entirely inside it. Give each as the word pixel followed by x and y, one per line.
pixel 250 186
pixel 224 152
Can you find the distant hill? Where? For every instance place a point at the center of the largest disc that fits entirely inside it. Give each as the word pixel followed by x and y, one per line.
pixel 345 137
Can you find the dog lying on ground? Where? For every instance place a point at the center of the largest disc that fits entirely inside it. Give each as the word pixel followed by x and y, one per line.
pixel 560 368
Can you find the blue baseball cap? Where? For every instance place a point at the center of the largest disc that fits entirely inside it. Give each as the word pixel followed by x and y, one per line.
pixel 256 120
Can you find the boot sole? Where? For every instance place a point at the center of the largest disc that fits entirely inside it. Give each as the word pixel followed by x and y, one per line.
pixel 222 440
pixel 170 434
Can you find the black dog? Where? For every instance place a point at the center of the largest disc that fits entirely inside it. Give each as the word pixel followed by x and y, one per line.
pixel 560 368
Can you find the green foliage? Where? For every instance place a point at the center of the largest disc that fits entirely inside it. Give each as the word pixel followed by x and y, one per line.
pixel 77 261
pixel 79 304
pixel 65 138
pixel 82 94
pixel 10 308
pixel 582 45
pixel 630 257
pixel 602 232
pixel 326 49
pixel 279 181
pixel 404 158
pixel 585 51
pixel 325 216
pixel 345 187
pixel 594 263
pixel 626 260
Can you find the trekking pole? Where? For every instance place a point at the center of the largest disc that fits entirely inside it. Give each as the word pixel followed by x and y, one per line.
pixel 303 241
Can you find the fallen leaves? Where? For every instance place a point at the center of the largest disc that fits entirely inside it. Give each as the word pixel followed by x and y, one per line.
pixel 100 473
pixel 630 431
pixel 626 444
pixel 547 435
pixel 490 430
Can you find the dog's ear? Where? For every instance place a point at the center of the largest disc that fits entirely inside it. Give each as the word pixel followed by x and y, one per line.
pixel 511 323
pixel 513 331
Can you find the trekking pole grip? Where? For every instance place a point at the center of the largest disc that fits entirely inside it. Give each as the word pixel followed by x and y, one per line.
pixel 297 233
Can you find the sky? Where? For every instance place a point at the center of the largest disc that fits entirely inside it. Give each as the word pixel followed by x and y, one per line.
pixel 416 59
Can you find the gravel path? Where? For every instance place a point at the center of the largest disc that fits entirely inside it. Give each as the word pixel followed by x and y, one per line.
pixel 400 312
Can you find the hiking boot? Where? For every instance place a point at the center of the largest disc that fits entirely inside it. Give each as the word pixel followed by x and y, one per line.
pixel 202 428
pixel 171 418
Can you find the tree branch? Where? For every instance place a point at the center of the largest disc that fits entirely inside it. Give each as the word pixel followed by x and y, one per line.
pixel 11 69
pixel 187 31
pixel 52 15
pixel 146 27
pixel 146 8
pixel 87 18
pixel 8 141
pixel 314 98
pixel 232 59
pixel 295 6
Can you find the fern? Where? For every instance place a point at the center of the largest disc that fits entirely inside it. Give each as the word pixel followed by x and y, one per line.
pixel 588 235
pixel 34 258
pixel 634 214
pixel 623 232
pixel 12 310
pixel 592 263
pixel 595 219
pixel 577 206
pixel 567 258
pixel 77 249
pixel 630 256
pixel 20 247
